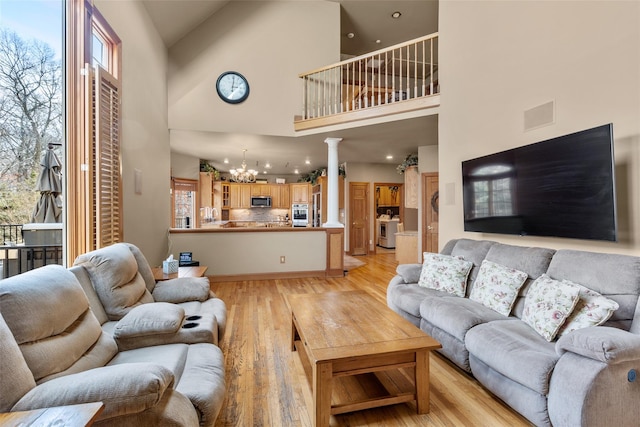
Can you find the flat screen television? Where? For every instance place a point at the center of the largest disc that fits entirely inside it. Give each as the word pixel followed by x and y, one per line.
pixel 561 187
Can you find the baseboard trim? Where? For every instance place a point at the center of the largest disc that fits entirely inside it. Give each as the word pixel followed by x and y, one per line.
pixel 267 276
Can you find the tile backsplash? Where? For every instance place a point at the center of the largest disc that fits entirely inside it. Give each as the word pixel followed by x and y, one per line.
pixel 257 214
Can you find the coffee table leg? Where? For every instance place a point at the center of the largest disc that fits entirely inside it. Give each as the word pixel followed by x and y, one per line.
pixel 422 381
pixel 322 374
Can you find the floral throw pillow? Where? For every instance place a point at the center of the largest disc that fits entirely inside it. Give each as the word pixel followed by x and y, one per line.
pixel 497 286
pixel 548 304
pixel 445 273
pixel 592 309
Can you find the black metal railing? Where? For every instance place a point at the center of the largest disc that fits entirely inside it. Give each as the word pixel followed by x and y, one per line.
pixel 10 233
pixel 19 259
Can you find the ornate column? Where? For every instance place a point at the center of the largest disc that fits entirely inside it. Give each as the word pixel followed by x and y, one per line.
pixel 332 184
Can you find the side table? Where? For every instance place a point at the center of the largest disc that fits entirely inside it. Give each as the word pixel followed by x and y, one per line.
pixel 71 416
pixel 198 271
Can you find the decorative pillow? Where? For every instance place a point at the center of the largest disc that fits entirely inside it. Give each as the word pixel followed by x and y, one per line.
pixel 497 286
pixel 592 309
pixel 548 304
pixel 445 273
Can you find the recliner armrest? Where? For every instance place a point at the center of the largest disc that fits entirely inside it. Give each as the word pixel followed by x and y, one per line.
pixel 602 343
pixel 150 319
pixel 124 389
pixel 182 289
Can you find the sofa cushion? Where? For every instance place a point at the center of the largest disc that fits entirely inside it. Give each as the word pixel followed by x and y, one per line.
pixel 51 339
pixel 474 251
pixel 611 275
pixel 497 286
pixel 456 315
pixel 445 273
pixel 182 289
pixel 114 273
pixel 513 349
pixel 409 296
pixel 150 319
pixel 592 309
pixel 124 389
pixel 15 376
pixel 548 305
pixel 143 267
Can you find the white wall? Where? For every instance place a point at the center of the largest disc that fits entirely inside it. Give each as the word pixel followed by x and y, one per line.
pixel 498 59
pixel 269 43
pixel 145 135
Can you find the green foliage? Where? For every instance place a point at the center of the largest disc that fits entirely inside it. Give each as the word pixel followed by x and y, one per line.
pixel 410 160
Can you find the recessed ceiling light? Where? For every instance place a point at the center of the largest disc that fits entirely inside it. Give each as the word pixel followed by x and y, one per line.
pixel 307 162
pixel 389 157
pixel 296 171
pixel 396 15
pixel 226 161
pixel 268 165
pixel 378 41
pixel 264 172
pixel 350 35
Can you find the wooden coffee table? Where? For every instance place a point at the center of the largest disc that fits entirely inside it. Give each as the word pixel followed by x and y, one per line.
pixel 343 334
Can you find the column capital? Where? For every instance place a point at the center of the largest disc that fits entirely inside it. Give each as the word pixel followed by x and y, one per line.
pixel 333 141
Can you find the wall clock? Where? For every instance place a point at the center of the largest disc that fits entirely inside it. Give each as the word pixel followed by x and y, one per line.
pixel 232 87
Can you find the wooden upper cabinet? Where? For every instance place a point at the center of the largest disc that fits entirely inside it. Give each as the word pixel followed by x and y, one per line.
pixel 261 190
pixel 300 192
pixel 205 188
pixel 280 196
pixel 240 196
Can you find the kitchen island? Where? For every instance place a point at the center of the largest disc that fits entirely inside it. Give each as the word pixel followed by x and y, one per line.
pixel 262 252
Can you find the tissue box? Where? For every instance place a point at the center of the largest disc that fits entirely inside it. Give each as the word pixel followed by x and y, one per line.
pixel 169 267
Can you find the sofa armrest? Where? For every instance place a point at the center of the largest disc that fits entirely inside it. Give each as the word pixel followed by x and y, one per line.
pixel 150 319
pixel 410 273
pixel 602 343
pixel 182 289
pixel 124 389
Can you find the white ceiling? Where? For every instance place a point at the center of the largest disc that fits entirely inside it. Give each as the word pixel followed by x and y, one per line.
pixel 369 21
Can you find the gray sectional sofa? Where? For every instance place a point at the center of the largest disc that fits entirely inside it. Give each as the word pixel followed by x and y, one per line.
pixel 584 377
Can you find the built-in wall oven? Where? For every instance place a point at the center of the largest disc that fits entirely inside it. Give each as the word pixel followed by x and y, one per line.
pixel 300 214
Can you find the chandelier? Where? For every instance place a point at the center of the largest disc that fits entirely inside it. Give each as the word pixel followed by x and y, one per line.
pixel 242 174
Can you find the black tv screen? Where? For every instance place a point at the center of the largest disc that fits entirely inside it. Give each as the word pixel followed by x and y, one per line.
pixel 562 187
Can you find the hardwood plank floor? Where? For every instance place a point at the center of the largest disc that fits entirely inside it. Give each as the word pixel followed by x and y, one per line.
pixel 266 382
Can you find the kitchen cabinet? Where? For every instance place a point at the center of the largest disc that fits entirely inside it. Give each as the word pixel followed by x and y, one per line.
pixel 261 190
pixel 388 196
pixel 204 188
pixel 300 193
pixel 280 196
pixel 240 196
pixel 226 196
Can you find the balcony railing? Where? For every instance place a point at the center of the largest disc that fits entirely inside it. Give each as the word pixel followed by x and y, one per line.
pixel 400 74
pixel 19 259
pixel 16 257
pixel 10 233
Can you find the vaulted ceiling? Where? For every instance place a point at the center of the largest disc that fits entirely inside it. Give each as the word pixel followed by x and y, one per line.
pixel 373 28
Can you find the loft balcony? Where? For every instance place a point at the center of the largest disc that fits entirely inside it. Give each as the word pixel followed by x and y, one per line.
pixel 389 81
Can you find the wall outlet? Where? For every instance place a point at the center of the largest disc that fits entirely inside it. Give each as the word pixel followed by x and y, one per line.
pixel 282 259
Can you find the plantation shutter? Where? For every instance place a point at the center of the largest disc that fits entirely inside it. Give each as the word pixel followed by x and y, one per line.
pixel 106 162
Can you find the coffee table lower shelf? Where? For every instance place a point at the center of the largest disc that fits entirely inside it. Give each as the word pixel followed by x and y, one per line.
pixel 361 389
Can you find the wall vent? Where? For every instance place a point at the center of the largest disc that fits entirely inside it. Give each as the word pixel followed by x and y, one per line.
pixel 539 116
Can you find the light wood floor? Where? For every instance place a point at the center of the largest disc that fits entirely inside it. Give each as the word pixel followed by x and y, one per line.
pixel 266 383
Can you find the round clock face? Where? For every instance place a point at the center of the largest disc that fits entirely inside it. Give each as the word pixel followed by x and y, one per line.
pixel 232 87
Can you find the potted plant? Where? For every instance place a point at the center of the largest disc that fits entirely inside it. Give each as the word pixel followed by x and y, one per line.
pixel 210 170
pixel 410 160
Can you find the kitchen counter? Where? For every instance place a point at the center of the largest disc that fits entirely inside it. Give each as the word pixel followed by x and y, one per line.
pixel 256 252
pixel 245 224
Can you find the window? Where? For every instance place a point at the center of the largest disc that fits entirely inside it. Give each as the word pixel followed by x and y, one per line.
pixel 93 120
pixel 184 200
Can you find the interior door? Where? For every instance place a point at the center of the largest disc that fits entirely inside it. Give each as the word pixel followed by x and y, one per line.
pixel 358 218
pixel 430 208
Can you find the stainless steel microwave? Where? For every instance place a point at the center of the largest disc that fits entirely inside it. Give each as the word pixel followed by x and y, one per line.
pixel 260 201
